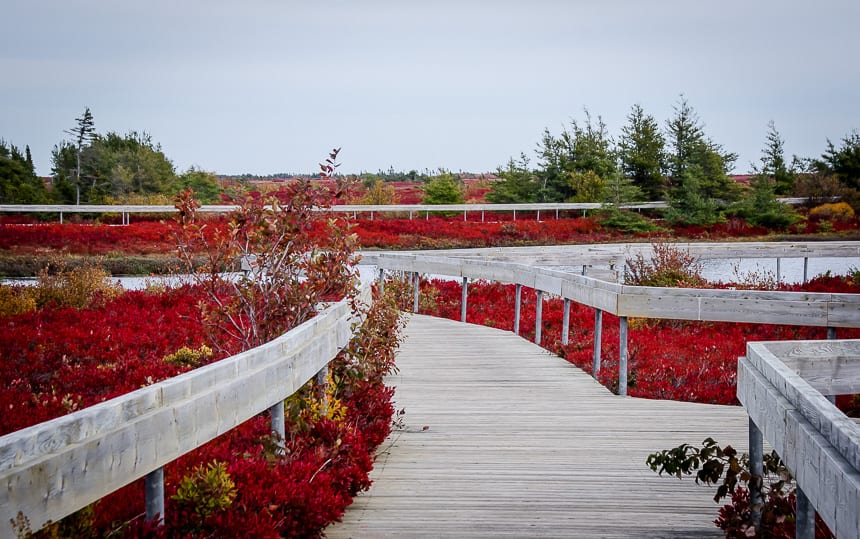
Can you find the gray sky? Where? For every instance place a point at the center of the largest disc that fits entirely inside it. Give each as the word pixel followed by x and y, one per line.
pixel 265 86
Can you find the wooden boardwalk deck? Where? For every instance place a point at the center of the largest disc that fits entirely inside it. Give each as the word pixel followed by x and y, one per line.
pixel 503 439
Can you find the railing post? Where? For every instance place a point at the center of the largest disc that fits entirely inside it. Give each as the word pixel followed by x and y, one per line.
pixel 381 280
pixel 464 299
pixel 538 316
pixel 831 336
pixel 538 215
pixel 778 272
pixel 565 322
pixel 622 356
pixel 757 472
pixel 515 215
pixel 321 381
pixel 805 268
pixel 416 282
pixel 805 517
pixel 598 337
pixel 276 417
pixel 517 304
pixel 464 216
pixel 154 495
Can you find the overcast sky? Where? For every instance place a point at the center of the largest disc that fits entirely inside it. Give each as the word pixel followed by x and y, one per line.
pixel 263 86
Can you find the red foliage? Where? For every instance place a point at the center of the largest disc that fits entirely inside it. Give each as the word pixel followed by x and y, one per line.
pixel 57 360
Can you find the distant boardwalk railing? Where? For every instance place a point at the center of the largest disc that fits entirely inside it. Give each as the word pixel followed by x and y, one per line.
pixel 50 470
pixel 548 209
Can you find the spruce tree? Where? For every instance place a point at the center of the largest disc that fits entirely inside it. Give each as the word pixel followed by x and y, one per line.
pixel 642 152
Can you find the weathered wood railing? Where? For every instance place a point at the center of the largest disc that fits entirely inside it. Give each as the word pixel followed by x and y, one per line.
pixel 548 208
pixel 783 386
pixel 753 306
pixel 52 469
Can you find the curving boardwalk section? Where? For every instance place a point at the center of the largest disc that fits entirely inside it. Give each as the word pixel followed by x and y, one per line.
pixel 520 443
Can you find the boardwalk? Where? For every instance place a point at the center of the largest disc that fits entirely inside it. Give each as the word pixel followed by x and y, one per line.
pixel 502 439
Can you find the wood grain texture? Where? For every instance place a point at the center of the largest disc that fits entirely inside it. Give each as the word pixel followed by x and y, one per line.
pixel 816 445
pixel 502 439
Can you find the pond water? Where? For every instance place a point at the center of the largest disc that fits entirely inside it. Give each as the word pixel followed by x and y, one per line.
pixel 366 273
pixel 724 270
pixel 790 270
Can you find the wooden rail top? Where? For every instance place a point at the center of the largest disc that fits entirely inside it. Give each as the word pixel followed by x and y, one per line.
pixel 754 306
pixel 351 208
pixel 50 470
pixel 780 384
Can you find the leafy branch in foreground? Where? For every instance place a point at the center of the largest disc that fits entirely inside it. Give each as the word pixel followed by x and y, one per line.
pixel 730 470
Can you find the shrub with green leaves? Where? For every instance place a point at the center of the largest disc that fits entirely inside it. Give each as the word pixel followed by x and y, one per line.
pixel 207 490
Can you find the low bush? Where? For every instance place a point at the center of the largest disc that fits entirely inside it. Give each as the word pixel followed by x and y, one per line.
pixel 838 211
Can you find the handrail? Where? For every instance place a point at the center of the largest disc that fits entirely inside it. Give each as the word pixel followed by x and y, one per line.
pixel 346 208
pixel 50 470
pixel 770 307
pixel 782 386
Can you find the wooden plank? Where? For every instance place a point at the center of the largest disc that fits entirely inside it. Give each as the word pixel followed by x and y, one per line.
pixel 520 443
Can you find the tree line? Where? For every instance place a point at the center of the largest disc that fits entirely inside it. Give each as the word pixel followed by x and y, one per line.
pixel 678 163
pixel 94 168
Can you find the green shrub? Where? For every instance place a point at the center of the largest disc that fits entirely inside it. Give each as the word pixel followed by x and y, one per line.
pixel 187 357
pixel 208 489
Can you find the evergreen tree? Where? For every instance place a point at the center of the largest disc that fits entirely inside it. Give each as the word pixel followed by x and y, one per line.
pixel 761 207
pixel 698 164
pixel 642 152
pixel 444 189
pixel 684 134
pixel 518 184
pixel 773 162
pixel 844 162
pixel 83 132
pixel 18 181
pixel 566 159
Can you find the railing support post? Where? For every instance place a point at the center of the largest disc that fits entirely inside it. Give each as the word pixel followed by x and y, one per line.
pixel 321 381
pixel 517 304
pixel 805 517
pixel 805 268
pixel 757 472
pixel 622 356
pixel 831 336
pixel 415 282
pixel 778 272
pixel 598 337
pixel 464 299
pixel 381 280
pixel 538 316
pixel 276 417
pixel 565 322
pixel 154 495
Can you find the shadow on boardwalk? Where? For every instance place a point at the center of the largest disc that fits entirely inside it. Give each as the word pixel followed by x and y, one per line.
pixel 503 439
